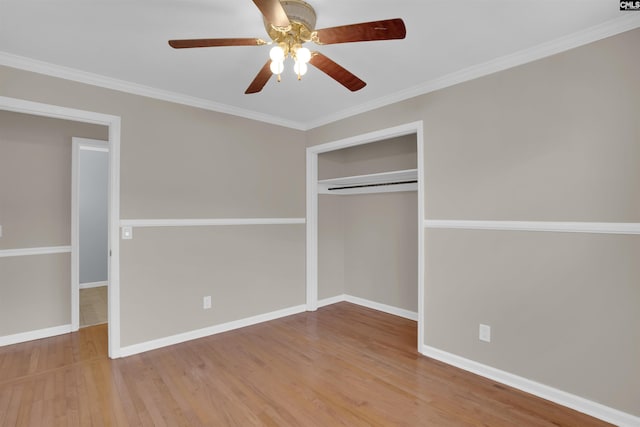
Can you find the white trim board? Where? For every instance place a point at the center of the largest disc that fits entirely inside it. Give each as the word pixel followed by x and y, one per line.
pixel 549 226
pixel 560 397
pixel 48 250
pixel 34 335
pixel 607 29
pixel 331 300
pixel 385 308
pixel 208 222
pixel 389 309
pixel 210 330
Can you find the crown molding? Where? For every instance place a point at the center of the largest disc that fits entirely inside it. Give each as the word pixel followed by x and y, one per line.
pixel 53 70
pixel 610 28
pixel 598 32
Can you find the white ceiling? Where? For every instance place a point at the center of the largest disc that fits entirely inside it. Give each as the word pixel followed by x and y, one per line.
pixel 446 40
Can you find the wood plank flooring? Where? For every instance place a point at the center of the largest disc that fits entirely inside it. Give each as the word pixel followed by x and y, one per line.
pixel 343 365
pixel 93 306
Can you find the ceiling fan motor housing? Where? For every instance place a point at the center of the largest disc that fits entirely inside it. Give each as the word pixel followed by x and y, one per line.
pixel 302 18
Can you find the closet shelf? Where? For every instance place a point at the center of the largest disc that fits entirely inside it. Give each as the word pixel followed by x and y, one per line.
pixel 384 182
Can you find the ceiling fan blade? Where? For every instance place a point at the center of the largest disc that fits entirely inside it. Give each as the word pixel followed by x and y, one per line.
pixel 273 12
pixel 336 72
pixel 366 31
pixel 182 44
pixel 261 79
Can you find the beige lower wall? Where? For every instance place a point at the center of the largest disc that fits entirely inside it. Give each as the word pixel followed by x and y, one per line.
pixel 35 292
pixel 563 307
pixel 381 248
pixel 247 271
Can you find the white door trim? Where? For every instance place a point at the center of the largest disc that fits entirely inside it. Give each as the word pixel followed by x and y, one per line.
pixel 78 144
pixel 312 208
pixel 113 123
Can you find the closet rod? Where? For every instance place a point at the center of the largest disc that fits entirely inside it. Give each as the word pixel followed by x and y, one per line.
pixel 373 185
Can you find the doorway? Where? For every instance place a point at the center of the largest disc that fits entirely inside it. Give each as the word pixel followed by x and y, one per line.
pixel 313 189
pixel 90 248
pixel 113 124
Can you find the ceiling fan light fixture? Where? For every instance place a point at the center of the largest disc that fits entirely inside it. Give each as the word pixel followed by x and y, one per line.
pixel 303 54
pixel 300 68
pixel 276 54
pixel 277 67
pixel 292 23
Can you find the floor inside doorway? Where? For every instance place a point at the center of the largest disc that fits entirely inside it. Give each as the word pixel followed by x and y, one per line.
pixel 93 306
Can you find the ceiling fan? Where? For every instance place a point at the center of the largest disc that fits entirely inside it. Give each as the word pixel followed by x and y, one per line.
pixel 290 24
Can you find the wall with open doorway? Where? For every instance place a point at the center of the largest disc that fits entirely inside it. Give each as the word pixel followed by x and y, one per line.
pixel 216 203
pixel 554 141
pixel 35 216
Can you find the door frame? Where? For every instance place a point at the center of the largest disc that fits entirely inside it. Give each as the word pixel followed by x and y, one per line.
pixel 312 208
pixel 113 124
pixel 77 145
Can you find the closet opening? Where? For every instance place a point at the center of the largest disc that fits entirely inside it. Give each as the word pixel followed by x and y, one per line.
pixel 365 235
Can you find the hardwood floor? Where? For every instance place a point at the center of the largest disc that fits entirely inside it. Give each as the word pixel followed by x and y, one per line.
pixel 93 306
pixel 343 365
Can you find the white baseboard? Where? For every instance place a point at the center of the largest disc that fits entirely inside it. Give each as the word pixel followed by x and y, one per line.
pixel 407 314
pixel 332 300
pixel 389 309
pixel 560 397
pixel 93 285
pixel 34 335
pixel 210 330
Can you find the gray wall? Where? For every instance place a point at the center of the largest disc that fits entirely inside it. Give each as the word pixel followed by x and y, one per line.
pixel 368 243
pixel 555 139
pixel 185 162
pixel 35 211
pixel 93 175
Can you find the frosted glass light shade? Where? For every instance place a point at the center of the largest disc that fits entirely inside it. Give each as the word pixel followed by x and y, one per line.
pixel 300 68
pixel 303 54
pixel 277 67
pixel 276 54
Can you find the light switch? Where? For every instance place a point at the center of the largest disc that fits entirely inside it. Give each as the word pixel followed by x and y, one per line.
pixel 127 233
pixel 0 231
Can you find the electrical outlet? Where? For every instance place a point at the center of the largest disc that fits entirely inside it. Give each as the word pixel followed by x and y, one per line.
pixel 206 302
pixel 485 333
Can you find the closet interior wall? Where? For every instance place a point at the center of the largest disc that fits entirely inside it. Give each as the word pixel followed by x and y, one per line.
pixel 368 243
